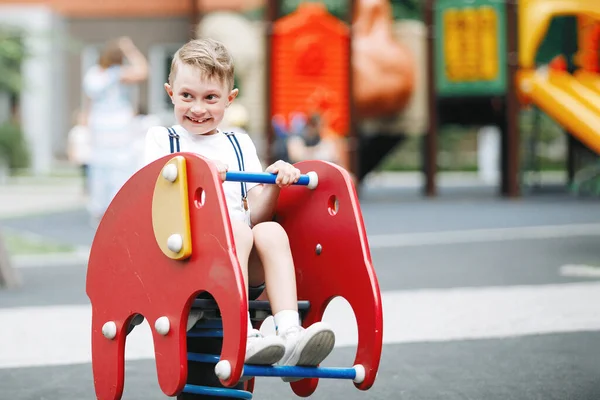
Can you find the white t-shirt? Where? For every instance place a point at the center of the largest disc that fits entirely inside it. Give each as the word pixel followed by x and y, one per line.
pixel 111 111
pixel 214 147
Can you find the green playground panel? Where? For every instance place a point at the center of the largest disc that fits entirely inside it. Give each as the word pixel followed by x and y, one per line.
pixel 475 85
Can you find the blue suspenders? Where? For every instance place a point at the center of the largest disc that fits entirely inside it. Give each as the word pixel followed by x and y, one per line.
pixel 174 143
pixel 240 157
pixel 173 137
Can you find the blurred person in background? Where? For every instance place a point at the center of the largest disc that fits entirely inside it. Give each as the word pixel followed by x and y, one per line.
pixel 283 133
pixel 111 120
pixel 78 146
pixel 313 143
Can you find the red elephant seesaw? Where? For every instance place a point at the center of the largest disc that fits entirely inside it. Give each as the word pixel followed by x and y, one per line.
pixel 165 246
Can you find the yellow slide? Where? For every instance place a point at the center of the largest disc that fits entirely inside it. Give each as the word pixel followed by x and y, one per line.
pixel 589 79
pixel 573 103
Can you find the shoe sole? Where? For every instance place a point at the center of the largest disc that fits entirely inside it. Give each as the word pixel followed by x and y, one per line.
pixel 316 349
pixel 267 356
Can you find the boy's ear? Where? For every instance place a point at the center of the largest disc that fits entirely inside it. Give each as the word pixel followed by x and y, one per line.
pixel 169 90
pixel 232 95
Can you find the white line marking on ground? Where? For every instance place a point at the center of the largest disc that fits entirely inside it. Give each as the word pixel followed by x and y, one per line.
pixel 580 271
pixel 77 258
pixel 80 257
pixel 59 335
pixel 483 235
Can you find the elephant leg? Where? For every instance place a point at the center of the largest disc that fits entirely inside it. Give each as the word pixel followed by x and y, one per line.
pixel 108 361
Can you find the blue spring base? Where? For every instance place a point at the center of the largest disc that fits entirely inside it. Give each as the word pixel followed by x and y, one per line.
pixel 217 392
pixel 214 329
pixel 275 371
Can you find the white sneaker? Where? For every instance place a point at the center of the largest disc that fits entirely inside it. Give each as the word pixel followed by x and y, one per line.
pixel 135 321
pixel 263 350
pixel 306 347
pixel 193 317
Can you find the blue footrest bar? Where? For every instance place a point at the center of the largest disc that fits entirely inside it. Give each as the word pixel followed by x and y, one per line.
pixel 217 392
pixel 206 333
pixel 274 371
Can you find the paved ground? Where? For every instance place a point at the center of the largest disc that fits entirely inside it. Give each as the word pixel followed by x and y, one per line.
pixel 476 302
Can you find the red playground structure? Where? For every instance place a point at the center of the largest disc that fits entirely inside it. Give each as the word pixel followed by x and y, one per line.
pixel 165 246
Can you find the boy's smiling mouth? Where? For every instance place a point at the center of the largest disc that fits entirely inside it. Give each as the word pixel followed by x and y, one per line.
pixel 198 121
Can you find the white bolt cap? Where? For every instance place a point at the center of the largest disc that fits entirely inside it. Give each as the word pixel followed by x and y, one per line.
pixel 169 172
pixel 109 330
pixel 360 373
pixel 162 325
pixel 223 369
pixel 175 243
pixel 313 180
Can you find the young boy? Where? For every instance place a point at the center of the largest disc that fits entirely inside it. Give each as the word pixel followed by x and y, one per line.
pixel 201 88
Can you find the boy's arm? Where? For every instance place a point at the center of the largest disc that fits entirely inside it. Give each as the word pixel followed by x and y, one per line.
pixel 263 198
pixel 137 70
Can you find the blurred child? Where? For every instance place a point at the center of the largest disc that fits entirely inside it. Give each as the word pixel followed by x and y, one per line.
pixel 79 146
pixel 111 120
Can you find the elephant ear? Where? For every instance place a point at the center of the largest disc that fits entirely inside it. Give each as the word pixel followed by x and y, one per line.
pixel 384 68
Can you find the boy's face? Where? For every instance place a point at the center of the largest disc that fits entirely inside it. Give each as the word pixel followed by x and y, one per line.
pixel 199 103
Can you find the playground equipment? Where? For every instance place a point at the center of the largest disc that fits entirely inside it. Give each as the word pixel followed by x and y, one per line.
pixel 572 100
pixel 471 74
pixel 483 70
pixel 165 246
pixel 315 65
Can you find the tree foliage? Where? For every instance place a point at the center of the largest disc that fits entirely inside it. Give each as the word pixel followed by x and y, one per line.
pixel 12 53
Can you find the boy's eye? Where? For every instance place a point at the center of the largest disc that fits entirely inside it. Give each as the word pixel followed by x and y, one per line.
pixel 211 97
pixel 186 95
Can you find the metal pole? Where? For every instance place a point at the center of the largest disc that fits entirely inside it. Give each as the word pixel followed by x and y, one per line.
pixel 272 14
pixel 511 158
pixel 194 18
pixel 353 131
pixel 431 139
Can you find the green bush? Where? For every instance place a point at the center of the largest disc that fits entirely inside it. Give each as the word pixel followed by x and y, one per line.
pixel 13 147
pixel 12 53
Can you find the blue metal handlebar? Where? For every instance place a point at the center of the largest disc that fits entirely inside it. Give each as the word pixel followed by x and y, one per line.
pixel 310 179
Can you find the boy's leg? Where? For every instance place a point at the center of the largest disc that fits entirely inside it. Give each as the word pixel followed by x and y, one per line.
pixel 259 349
pixel 307 347
pixel 97 183
pixel 272 263
pixel 85 176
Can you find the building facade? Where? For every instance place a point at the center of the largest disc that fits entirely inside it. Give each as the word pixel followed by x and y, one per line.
pixel 63 39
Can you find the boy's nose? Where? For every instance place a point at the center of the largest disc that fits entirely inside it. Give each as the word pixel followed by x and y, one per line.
pixel 198 109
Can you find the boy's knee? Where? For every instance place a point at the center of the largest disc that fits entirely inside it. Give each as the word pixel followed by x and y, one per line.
pixel 269 234
pixel 242 234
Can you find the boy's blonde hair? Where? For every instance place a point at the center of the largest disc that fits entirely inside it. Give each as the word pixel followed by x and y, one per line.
pixel 208 55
